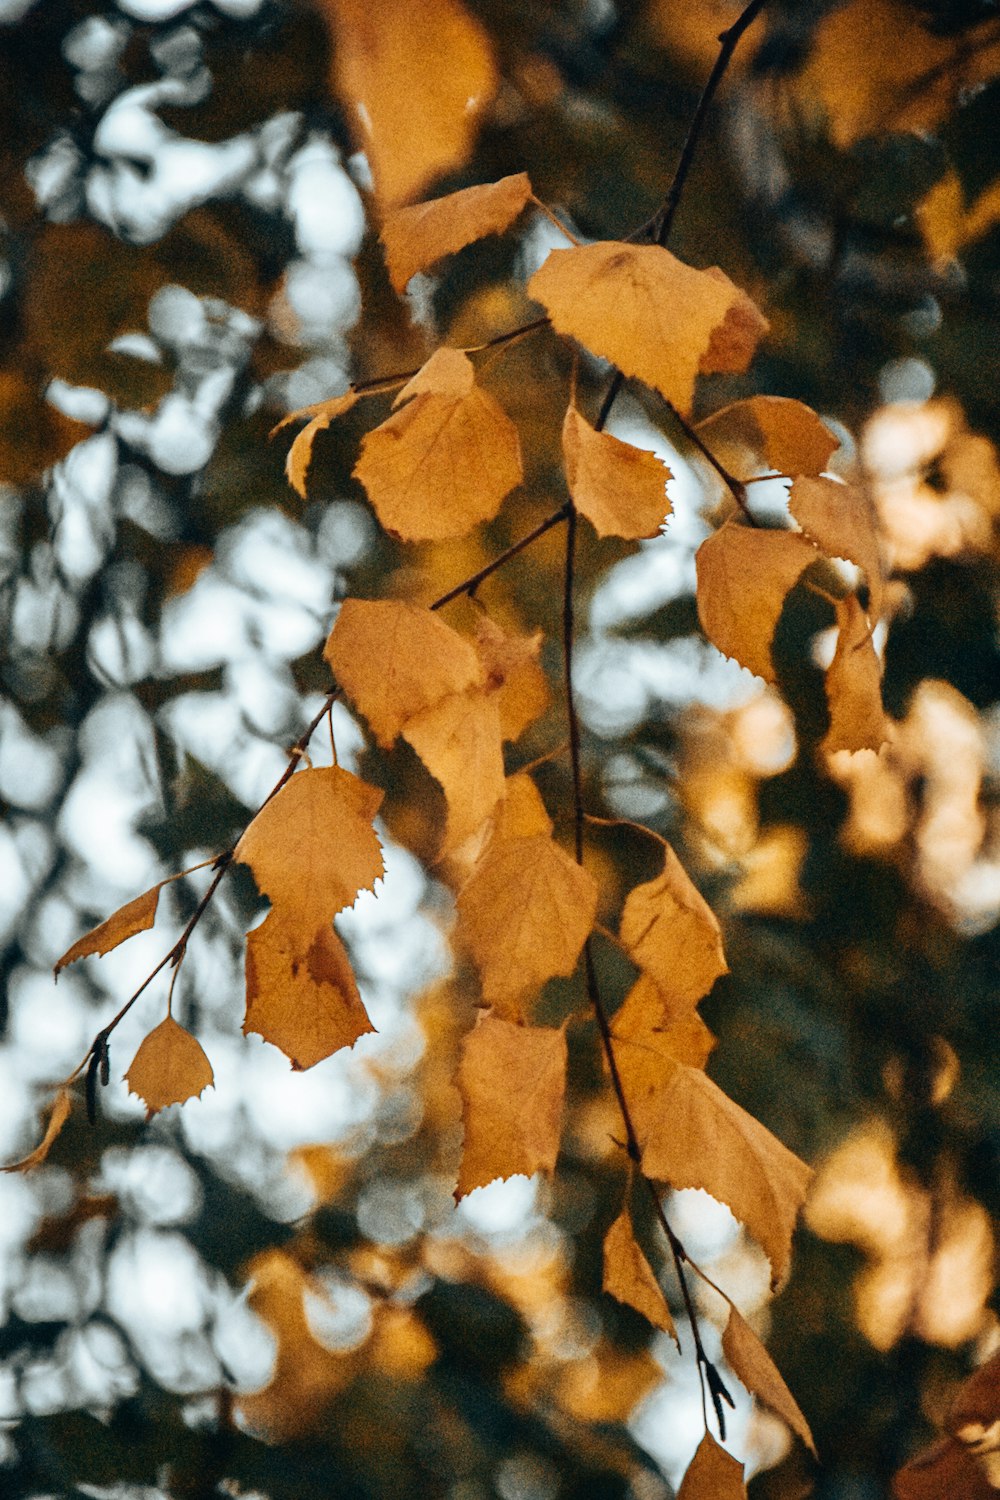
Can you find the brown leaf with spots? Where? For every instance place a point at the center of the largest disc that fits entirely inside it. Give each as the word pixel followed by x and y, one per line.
pixel 512 1080
pixel 415 238
pixel 620 489
pixel 169 1067
pixel 302 999
pixel 745 575
pixel 514 674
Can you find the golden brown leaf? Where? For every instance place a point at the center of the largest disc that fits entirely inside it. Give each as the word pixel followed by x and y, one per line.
pixel 169 1067
pixel 673 934
pixel 458 740
pixel 638 306
pixel 414 80
pixel 524 913
pixel 135 916
pixel 840 519
pixel 512 1080
pixel 301 993
pixel 744 577
pixel 854 685
pixel 628 1276
pixel 713 1474
pixel 694 1135
pixel 321 413
pixel 448 372
pixel 754 1367
pixel 646 1044
pixel 734 341
pixel 522 811
pixel 620 489
pixel 787 434
pixel 417 237
pixel 57 1119
pixel 513 673
pixel 394 660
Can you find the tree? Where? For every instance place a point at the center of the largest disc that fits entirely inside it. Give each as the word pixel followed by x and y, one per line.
pixel 515 864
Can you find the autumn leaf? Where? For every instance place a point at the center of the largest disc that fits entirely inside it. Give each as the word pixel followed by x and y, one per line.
pixel 524 914
pixel 628 1276
pixel 522 811
pixel 303 1000
pixel 415 238
pixel 744 576
pixel 414 80
pixel 458 740
pixel 169 1067
pixel 512 1080
pixel 642 308
pixel 839 518
pixel 713 1474
pixel 671 932
pixel 445 460
pixel 620 489
pixel 646 1044
pixel 854 685
pixel 394 660
pixel 57 1119
pixel 321 414
pixel 514 675
pixel 734 341
pixel 135 916
pixel 755 1369
pixel 787 434
pixel 694 1135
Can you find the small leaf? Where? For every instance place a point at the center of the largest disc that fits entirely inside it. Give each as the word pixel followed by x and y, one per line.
pixel 713 1474
pixel 510 663
pixel 135 916
pixel 169 1067
pixel 458 740
pixel 754 1368
pixel 628 1276
pixel 744 576
pixel 322 414
pixel 512 1080
pixel 417 237
pixel 57 1119
pixel 839 518
pixel 673 934
pixel 448 372
pixel 787 434
pixel 301 993
pixel 854 685
pixel 620 489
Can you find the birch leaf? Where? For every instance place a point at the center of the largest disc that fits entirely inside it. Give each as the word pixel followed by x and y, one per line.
pixel 620 489
pixel 301 993
pixel 458 740
pixel 787 434
pixel 854 685
pixel 522 811
pixel 839 518
pixel 415 238
pixel 754 1368
pixel 169 1067
pixel 744 577
pixel 512 1080
pixel 448 372
pixel 394 660
pixel 734 341
pixel 321 414
pixel 713 1474
pixel 513 673
pixel 135 916
pixel 673 934
pixel 628 1276
pixel 57 1119
pixel 646 1045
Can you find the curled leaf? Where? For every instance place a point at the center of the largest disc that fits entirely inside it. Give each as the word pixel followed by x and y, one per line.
pixel 414 238
pixel 57 1119
pixel 321 413
pixel 135 916
pixel 628 1276
pixel 512 1080
pixel 169 1067
pixel 744 577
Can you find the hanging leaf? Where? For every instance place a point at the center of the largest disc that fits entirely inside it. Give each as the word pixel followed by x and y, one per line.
pixel 514 674
pixel 524 915
pixel 628 1276
pixel 522 811
pixel 839 518
pixel 394 660
pixel 169 1067
pixel 417 237
pixel 458 740
pixel 301 999
pixel 713 1474
pixel 787 434
pixel 672 933
pixel 512 1080
pixel 646 1045
pixel 744 577
pixel 57 1119
pixel 754 1368
pixel 854 685
pixel 640 307
pixel 620 489
pixel 135 916
pixel 322 413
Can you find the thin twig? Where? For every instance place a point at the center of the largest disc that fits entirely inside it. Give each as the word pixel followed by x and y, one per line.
pixel 469 585
pixel 735 486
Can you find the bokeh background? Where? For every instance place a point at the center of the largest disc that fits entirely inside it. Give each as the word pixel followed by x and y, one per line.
pixel 270 1291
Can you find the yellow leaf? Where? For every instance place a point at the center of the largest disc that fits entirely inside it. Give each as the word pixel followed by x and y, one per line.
pixel 673 934
pixel 458 740
pixel 854 685
pixel 169 1067
pixel 787 434
pixel 322 413
pixel 135 916
pixel 414 238
pixel 524 913
pixel 620 489
pixel 512 1080
pixel 394 660
pixel 840 519
pixel 713 1474
pixel 628 1276
pixel 646 1044
pixel 513 673
pixel 444 461
pixel 694 1136
pixel 638 306
pixel 744 576
pixel 301 993
pixel 57 1119
pixel 522 811
pixel 754 1368
pixel 414 79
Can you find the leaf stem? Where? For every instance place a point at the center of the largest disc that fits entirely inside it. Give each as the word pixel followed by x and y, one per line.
pixel 469 585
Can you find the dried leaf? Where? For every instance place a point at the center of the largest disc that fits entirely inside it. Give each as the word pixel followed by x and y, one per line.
pixel 322 413
pixel 713 1474
pixel 135 916
pixel 854 685
pixel 448 372
pixel 512 1080
pixel 638 306
pixel 673 934
pixel 840 519
pixel 734 341
pixel 693 1135
pixel 458 740
pixel 513 673
pixel 620 489
pixel 301 999
pixel 524 914
pixel 522 811
pixel 646 1045
pixel 744 576
pixel 754 1367
pixel 169 1067
pixel 394 660
pixel 787 434
pixel 417 237
pixel 57 1119
pixel 414 80
pixel 628 1276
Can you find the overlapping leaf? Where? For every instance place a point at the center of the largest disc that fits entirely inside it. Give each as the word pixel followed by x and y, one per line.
pixel 754 1368
pixel 787 434
pixel 514 674
pixel 415 238
pixel 169 1067
pixel 512 1080
pixel 620 489
pixel 671 932
pixel 649 1037
pixel 839 518
pixel 458 740
pixel 320 415
pixel 745 575
pixel 628 1276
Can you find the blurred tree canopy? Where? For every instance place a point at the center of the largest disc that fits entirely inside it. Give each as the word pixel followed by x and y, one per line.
pixel 270 1290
